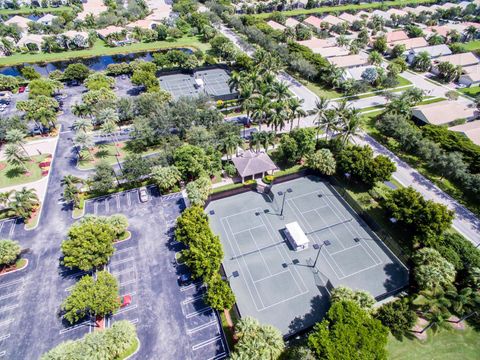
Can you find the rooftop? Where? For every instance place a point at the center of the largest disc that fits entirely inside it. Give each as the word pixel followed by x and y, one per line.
pixel 275 25
pixel 328 52
pixel 433 51
pixel 20 21
pixel 316 43
pixel 349 60
pixel 314 21
pixel 411 43
pixel 443 112
pixel 348 17
pixel 291 22
pixel 470 129
pixel 332 20
pixel 251 163
pixel 464 59
pixel 396 36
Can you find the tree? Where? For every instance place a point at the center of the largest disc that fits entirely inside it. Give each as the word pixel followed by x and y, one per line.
pixel 397 316
pixel 15 156
pixel 103 179
pixel 287 150
pixel 135 167
pixel 166 177
pixel 380 44
pixel 9 252
pixel 92 297
pixel 422 61
pixel 348 332
pixel 88 246
pixel 78 72
pixel 24 202
pixel 360 297
pixel 380 169
pixel 98 80
pixel 119 224
pixel 191 161
pixel 17 137
pixel 370 75
pixel 45 87
pixel 375 58
pixel 256 341
pixel 29 73
pixel 94 97
pixel 322 161
pixel 83 141
pixel 230 144
pixel 219 296
pixel 432 270
pixel 82 125
pixel 147 79
pixel 449 72
pixel 198 190
pixel 398 50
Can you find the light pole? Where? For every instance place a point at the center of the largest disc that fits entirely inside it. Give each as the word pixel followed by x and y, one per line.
pixel 284 193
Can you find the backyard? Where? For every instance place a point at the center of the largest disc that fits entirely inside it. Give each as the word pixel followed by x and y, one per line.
pixel 11 175
pixel 446 344
pixel 100 48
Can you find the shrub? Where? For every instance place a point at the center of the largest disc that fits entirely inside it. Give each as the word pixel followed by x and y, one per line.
pixel 9 252
pixel 397 316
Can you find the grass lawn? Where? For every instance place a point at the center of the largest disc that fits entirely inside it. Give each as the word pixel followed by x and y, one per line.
pixel 446 344
pixel 28 11
pixel 321 91
pixel 12 175
pixel 100 48
pixel 471 45
pixel 130 350
pixel 350 7
pixel 402 81
pixel 106 152
pixel 226 329
pixel 470 91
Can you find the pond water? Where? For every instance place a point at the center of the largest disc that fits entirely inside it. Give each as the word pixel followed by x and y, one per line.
pixel 98 63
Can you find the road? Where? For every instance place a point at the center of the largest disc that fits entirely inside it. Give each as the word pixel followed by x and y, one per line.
pixel 465 221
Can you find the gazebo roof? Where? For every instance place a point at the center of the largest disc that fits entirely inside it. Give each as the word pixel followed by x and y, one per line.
pixel 252 163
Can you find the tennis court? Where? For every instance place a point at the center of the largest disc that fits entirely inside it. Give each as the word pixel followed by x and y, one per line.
pixel 290 289
pixel 213 82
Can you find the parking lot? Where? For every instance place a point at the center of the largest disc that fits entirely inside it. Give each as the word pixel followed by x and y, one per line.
pixel 10 291
pixel 170 319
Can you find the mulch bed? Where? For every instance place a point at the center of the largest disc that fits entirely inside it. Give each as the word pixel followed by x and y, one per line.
pixel 419 326
pixel 456 324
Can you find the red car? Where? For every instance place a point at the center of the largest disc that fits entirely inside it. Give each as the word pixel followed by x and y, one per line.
pixel 21 89
pixel 125 300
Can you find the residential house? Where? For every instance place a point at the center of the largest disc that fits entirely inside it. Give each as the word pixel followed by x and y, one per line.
pixel 470 75
pixel 419 9
pixel 349 61
pixel 379 13
pixel 313 21
pixel 315 44
pixel 470 129
pixel 397 12
pixel 411 43
pixel 276 26
pixel 444 112
pixel 31 41
pixel 333 20
pixel 109 30
pixel 20 21
pixel 349 18
pixel 145 24
pixel 463 59
pixel 291 22
pixel 434 51
pixel 78 38
pixel 333 51
pixel 93 7
pixel 396 35
pixel 46 19
pixel 355 73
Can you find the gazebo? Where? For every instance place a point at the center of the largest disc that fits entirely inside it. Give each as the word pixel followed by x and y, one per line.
pixel 252 164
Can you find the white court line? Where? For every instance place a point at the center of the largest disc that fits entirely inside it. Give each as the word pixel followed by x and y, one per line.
pixel 205 343
pixel 201 327
pixel 129 200
pixel 117 199
pixel 219 356
pixel 125 309
pixel 75 327
pixel 198 312
pixel 134 321
pixel 107 205
pixel 340 251
pixel 118 262
pixel 15 293
pixel 242 231
pixel 132 293
pixel 4 337
pixel 11 283
pixel 9 307
pixel 95 208
pixel 245 263
pixel 1 224
pixel 124 250
pixel 271 276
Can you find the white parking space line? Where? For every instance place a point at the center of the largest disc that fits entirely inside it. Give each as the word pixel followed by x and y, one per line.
pixel 191 286
pixel 12 228
pixel 132 293
pixel 127 270
pixel 122 261
pixel 11 283
pixel 219 356
pixel 15 293
pixel 117 199
pixel 201 327
pixel 129 201
pixel 107 206
pixel 95 208
pixel 4 337
pixel 128 282
pixel 124 310
pixel 2 353
pixel 134 321
pixel 6 322
pixel 206 342
pixel 9 307
pixel 192 299
pixel 199 312
pixel 123 250
pixel 75 327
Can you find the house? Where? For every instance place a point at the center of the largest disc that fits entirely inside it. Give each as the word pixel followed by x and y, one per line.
pixel 276 26
pixel 464 4
pixel 299 4
pixel 444 112
pixel 411 43
pixel 470 75
pixel 349 18
pixel 419 9
pixel 396 12
pixel 333 51
pixel 291 22
pixel 396 36
pixel 313 21
pixel 315 44
pixel 349 61
pixel 470 129
pixel 19 21
pixel 31 41
pixel 363 15
pixel 145 24
pixel 441 30
pixel 382 14
pixel 333 20
pixel 448 6
pixel 93 7
pixel 79 38
pixel 109 30
pixel 434 51
pixel 464 59
pixel 355 73
pixel 46 19
pixel 252 165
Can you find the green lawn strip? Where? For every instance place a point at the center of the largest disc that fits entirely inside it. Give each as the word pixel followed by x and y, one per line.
pixel 129 352
pixel 371 108
pixel 470 91
pixel 28 11
pixel 33 221
pixel 470 46
pixel 431 101
pixel 107 153
pixel 350 7
pixel 226 188
pixel 20 263
pixel 444 345
pixel 100 48
pixel 227 330
pixel 126 235
pixel 13 175
pixel 402 81
pixel 321 91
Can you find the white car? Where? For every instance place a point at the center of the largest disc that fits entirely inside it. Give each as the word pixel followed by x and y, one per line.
pixel 143 194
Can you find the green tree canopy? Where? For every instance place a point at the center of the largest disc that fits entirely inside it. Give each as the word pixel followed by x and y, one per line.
pixel 432 270
pixel 219 295
pixel 77 72
pixel 198 190
pixel 361 297
pixel 191 161
pixel 398 316
pixel 348 332
pixel 166 177
pixel 322 161
pixel 98 81
pixel 9 252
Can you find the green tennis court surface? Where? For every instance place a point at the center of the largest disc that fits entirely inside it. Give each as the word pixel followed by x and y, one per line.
pixel 290 289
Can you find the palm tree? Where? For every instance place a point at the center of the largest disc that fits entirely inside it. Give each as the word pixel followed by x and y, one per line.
pixel 278 116
pixel 83 141
pixel 256 141
pixel 230 144
pixel 235 79
pixel 342 40
pixel 296 111
pixel 464 301
pixel 375 58
pixel 70 180
pixel 82 124
pixel 422 61
pixel 434 305
pixel 5 198
pixel 470 33
pixel 350 126
pixel 24 202
pixel 15 156
pixel 109 128
pixel 81 110
pixel 107 115
pixel 268 138
pixel 17 137
pixel 261 109
pixel 280 91
pixel 321 106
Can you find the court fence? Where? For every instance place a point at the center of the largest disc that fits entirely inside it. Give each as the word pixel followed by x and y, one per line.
pixel 383 235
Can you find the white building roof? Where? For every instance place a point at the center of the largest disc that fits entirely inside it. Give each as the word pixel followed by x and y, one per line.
pixel 470 129
pixel 443 112
pixel 463 59
pixel 297 234
pixel 434 50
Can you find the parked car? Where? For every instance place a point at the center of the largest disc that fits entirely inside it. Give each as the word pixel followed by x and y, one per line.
pixel 125 300
pixel 22 89
pixel 143 193
pixel 185 280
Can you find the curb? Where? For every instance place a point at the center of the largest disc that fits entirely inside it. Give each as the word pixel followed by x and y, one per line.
pixel 136 351
pixel 81 215
pixel 127 238
pixel 14 271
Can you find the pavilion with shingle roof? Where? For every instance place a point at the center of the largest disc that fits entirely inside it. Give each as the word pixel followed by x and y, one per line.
pixel 252 164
